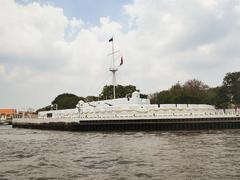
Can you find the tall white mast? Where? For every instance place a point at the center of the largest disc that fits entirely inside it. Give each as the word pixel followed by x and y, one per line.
pixel 113 69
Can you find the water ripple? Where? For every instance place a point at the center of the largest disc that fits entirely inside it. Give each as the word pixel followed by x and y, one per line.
pixel 35 154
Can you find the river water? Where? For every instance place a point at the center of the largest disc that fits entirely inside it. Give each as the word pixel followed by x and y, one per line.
pixel 36 154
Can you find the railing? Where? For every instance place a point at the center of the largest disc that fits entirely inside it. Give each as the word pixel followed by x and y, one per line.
pixel 112 115
pixel 135 114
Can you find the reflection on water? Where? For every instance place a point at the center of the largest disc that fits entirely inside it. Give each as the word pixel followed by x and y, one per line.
pixel 35 154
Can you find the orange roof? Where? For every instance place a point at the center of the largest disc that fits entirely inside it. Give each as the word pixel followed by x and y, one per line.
pixel 8 111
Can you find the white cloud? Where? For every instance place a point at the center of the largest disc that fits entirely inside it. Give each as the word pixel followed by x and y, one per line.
pixel 44 53
pixel 185 38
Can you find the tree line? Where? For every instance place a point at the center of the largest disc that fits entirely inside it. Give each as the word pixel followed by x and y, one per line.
pixel 196 92
pixel 69 101
pixel 191 92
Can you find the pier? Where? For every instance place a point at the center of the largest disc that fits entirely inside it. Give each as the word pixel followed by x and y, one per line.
pixel 177 124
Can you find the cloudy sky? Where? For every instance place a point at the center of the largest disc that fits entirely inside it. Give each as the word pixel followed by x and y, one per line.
pixel 48 47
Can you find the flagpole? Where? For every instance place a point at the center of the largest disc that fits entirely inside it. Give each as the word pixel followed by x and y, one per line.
pixel 113 69
pixel 114 72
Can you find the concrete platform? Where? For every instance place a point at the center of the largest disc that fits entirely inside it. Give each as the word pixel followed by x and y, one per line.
pixel 132 124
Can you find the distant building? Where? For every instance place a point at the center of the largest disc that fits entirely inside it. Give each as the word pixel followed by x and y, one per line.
pixel 7 113
pixel 26 114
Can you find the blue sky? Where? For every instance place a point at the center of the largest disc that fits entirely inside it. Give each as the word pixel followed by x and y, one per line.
pixel 89 10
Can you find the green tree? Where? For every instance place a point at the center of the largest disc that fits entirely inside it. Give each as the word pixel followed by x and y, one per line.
pixel 91 98
pixel 66 101
pixel 163 97
pixel 177 93
pixel 222 100
pixel 121 91
pixel 211 96
pixel 192 92
pixel 231 83
pixel 46 108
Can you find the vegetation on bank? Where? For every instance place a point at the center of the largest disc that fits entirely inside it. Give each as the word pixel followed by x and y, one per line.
pixel 191 92
pixel 196 92
pixel 68 101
